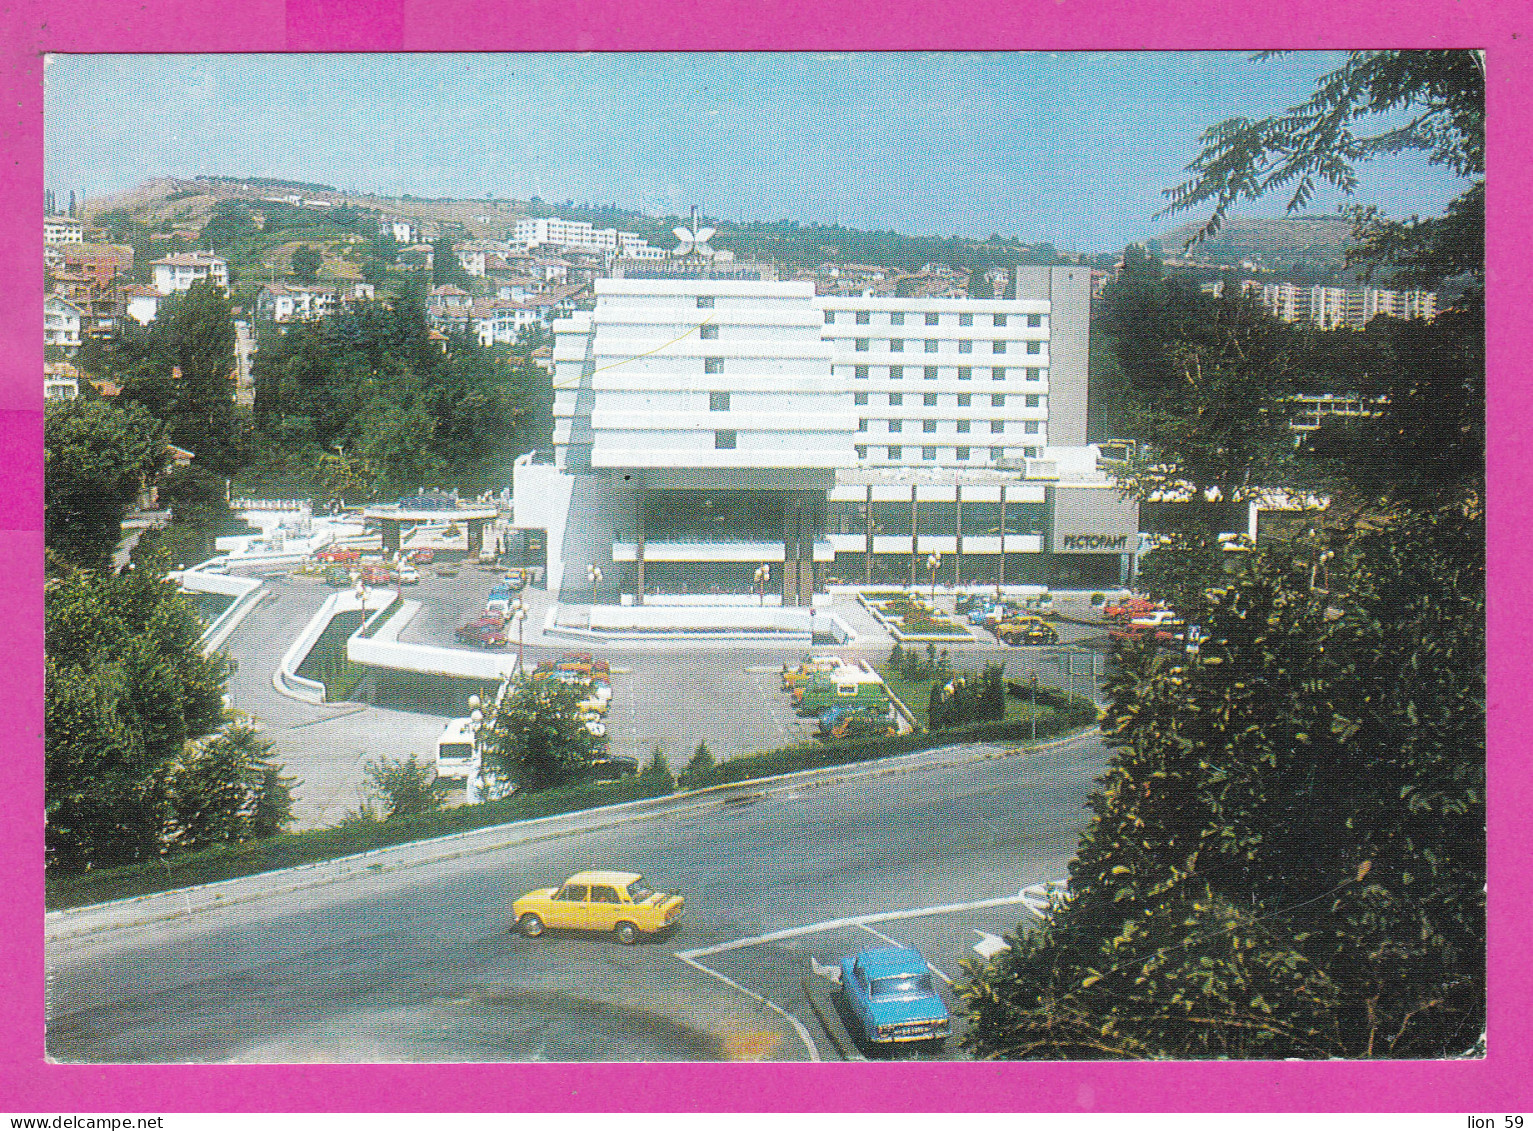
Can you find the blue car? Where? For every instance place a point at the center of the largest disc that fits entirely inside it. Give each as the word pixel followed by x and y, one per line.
pixel 890 994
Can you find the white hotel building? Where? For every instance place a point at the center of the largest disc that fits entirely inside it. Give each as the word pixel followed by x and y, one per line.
pixel 704 426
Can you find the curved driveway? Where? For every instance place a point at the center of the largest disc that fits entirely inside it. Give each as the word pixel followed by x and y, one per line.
pixel 417 964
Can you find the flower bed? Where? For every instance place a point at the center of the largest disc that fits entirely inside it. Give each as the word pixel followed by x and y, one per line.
pixel 910 620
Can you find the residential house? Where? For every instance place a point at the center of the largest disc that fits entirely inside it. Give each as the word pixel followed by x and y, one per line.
pixel 178 272
pixel 98 263
pixel 62 230
pixel 62 321
pixel 61 381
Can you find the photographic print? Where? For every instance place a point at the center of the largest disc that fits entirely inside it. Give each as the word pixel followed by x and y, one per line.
pixel 765 556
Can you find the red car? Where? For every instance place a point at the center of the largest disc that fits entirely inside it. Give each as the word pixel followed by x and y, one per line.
pixel 488 631
pixel 378 575
pixel 1131 608
pixel 338 555
pixel 423 557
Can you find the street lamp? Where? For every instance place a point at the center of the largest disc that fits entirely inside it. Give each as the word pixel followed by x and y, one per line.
pixel 933 562
pixel 476 762
pixel 1033 707
pixel 763 575
pixel 593 575
pixel 519 615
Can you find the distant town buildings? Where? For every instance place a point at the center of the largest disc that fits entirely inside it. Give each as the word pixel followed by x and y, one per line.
pixel 1331 308
pixel 62 230
pixel 536 232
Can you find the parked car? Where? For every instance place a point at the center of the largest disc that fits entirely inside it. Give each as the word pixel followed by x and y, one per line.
pixel 890 995
pixel 619 902
pixel 1129 608
pixel 337 578
pixel 407 574
pixel 488 632
pixel 447 569
pixel 856 722
pixel 422 557
pixel 338 555
pixel 378 575
pixel 1026 630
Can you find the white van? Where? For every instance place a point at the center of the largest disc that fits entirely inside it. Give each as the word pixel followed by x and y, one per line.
pixel 455 749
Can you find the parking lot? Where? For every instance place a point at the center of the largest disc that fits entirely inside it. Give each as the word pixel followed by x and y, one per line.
pixel 798 970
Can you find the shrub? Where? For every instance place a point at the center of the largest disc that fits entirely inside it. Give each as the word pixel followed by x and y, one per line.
pixel 403 787
pixel 700 767
pixel 1098 599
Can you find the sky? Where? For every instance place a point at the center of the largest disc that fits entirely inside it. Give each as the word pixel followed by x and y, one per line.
pixel 1071 148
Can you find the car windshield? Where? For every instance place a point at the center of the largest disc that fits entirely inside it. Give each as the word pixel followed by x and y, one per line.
pixel 638 891
pixel 903 986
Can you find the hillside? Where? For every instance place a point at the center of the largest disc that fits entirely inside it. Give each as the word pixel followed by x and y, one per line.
pixel 1318 242
pixel 166 203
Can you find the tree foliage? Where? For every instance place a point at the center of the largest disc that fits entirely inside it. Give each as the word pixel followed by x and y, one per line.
pixel 1203 381
pixel 98 456
pixel 1286 857
pixel 225 789
pixel 365 404
pixel 128 685
pixel 403 787
pixel 1321 141
pixel 306 263
pixel 538 739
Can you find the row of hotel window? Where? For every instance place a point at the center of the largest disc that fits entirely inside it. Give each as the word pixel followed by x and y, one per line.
pixel 897 318
pixel 939 517
pixel 932 345
pixel 720 402
pixel 930 372
pixel 727 439
pixel 997 427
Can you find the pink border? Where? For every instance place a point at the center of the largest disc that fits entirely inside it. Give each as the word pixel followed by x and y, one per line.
pixel 1497 1084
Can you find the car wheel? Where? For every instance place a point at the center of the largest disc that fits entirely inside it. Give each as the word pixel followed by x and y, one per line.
pixel 530 926
pixel 626 933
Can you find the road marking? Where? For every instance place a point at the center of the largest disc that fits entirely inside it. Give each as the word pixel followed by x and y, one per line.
pixel 896 942
pixel 803 1033
pixel 818 968
pixel 989 945
pixel 849 921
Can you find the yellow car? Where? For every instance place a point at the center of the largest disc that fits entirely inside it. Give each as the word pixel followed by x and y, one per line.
pixel 619 902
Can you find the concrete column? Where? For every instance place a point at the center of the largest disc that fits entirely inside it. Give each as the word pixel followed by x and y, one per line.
pixel 390 536
pixel 639 553
pixel 475 534
pixel 867 556
pixel 958 534
pixel 1001 575
pixel 914 540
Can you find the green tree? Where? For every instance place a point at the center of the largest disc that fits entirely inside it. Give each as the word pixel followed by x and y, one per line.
pixel 1287 855
pixel 306 263
pixel 538 738
pixel 402 786
pixel 226 789
pixel 98 456
pixel 127 686
pixel 184 375
pixel 199 514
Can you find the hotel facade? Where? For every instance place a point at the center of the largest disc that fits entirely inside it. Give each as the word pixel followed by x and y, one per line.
pixel 705 427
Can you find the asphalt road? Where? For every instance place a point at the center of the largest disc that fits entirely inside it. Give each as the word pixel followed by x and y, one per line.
pixel 417 964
